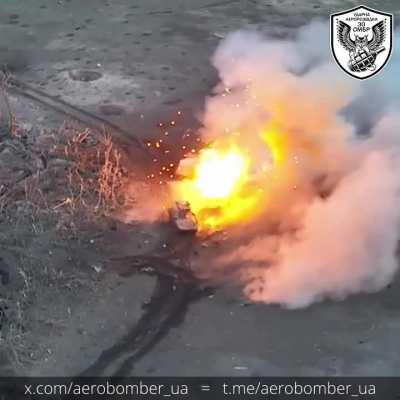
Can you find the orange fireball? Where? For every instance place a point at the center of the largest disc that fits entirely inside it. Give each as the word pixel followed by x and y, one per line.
pixel 217 187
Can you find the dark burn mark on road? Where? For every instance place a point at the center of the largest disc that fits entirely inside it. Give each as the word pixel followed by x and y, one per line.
pixel 175 290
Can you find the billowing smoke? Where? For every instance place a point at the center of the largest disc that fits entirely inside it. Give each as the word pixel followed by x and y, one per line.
pixel 333 187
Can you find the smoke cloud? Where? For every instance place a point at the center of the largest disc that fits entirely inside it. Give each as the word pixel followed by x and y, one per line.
pixel 333 191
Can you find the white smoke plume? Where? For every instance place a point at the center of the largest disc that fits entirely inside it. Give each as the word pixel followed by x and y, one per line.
pixel 336 237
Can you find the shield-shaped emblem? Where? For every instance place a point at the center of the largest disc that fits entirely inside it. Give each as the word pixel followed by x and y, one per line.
pixel 361 40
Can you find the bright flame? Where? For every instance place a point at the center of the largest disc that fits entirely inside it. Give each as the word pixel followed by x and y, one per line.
pixel 217 175
pixel 227 182
pixel 218 187
pixel 276 144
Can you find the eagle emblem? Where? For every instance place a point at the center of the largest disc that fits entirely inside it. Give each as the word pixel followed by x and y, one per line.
pixel 361 40
pixel 363 52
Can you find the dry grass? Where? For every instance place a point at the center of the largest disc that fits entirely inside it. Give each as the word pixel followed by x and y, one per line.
pixel 110 175
pixel 82 177
pixel 96 169
pixel 45 202
pixel 93 181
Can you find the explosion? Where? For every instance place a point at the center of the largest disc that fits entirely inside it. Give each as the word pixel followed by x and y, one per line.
pixel 218 187
pixel 227 183
pixel 302 160
pixel 299 170
pixel 217 176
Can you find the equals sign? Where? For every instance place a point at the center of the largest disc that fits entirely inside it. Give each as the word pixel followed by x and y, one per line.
pixel 205 388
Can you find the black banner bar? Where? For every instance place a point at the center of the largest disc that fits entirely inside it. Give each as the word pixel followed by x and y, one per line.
pixel 201 388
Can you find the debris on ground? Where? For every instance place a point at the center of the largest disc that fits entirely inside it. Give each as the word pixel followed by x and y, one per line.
pixel 182 217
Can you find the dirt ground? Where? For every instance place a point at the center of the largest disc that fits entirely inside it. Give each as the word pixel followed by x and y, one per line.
pixel 63 301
